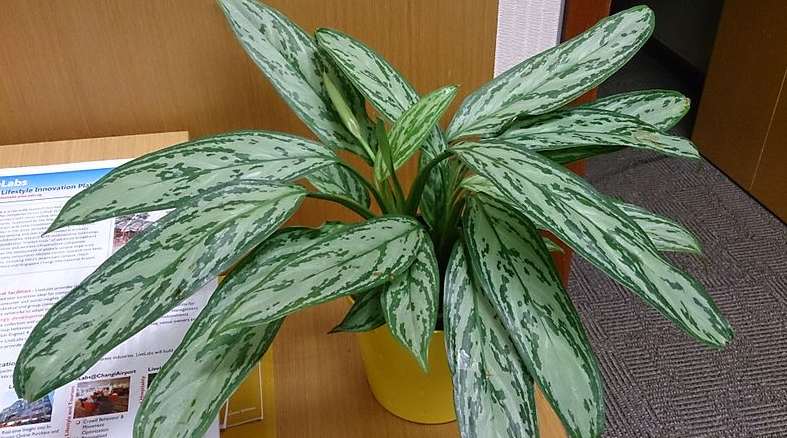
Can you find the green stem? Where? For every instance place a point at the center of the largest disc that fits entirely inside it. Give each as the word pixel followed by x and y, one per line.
pixel 451 223
pixel 389 200
pixel 347 202
pixel 375 192
pixel 399 193
pixel 414 198
pixel 366 148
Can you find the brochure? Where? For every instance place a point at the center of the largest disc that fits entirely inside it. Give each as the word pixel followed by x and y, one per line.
pixel 36 271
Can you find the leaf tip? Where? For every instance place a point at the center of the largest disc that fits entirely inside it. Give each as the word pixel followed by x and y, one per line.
pixel 423 363
pixel 322 32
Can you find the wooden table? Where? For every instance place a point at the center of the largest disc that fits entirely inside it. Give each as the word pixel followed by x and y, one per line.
pixel 320 385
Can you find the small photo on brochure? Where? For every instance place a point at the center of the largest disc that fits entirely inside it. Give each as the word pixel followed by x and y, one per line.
pixel 129 226
pixel 15 411
pixel 101 397
pixel 151 376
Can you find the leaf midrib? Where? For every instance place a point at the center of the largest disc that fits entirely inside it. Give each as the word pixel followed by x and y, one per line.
pixel 329 160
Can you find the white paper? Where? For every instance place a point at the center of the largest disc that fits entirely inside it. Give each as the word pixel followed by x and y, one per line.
pixel 37 271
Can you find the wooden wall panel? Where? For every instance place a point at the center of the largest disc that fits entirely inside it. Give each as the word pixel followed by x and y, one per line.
pixel 770 179
pixel 93 68
pixel 89 68
pixel 744 78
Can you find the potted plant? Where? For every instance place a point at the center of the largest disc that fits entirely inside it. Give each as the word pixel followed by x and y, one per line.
pixel 464 242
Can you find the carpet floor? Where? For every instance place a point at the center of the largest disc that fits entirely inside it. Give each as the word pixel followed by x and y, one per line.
pixel 658 381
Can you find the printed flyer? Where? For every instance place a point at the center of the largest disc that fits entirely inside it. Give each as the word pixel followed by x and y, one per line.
pixel 36 271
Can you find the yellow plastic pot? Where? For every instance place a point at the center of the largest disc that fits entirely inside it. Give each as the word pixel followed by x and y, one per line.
pixel 400 385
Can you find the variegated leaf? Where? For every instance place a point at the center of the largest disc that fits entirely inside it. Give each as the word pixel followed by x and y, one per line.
pixel 354 260
pixel 552 246
pixel 556 76
pixel 413 127
pixel 386 89
pixel 564 204
pixel 477 183
pixel 173 176
pixel 410 303
pixel 571 154
pixel 199 378
pixel 390 93
pixel 337 180
pixel 365 314
pixel 665 233
pixel 660 108
pixel 433 202
pixel 493 391
pixel 355 100
pixel 573 127
pixel 149 276
pixel 292 62
pixel 516 273
pixel 203 371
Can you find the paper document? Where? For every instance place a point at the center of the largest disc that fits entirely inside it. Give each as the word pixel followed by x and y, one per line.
pixel 36 271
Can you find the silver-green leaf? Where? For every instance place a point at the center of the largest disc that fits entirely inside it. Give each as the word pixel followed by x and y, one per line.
pixel 413 127
pixel 292 62
pixel 433 202
pixel 552 246
pixel 410 303
pixel 665 233
pixel 204 370
pixel 493 391
pixel 354 260
pixel 571 154
pixel 200 376
pixel 660 108
pixel 562 203
pixel 173 176
pixel 365 314
pixel 337 180
pixel 517 275
pixel 575 127
pixel 556 76
pixel 149 276
pixel 386 89
pixel 390 93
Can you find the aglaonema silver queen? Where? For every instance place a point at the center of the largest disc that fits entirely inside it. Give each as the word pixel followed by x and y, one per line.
pixel 463 248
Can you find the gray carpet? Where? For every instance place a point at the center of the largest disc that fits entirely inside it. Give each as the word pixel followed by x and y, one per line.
pixel 658 381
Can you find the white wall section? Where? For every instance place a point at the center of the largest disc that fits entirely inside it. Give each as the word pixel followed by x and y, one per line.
pixel 525 28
